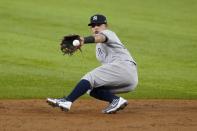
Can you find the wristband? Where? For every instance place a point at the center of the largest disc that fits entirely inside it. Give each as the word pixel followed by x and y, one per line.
pixel 89 39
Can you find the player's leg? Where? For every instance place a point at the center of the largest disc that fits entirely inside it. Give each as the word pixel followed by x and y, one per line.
pixel 107 74
pixel 65 103
pixel 103 94
pixel 116 103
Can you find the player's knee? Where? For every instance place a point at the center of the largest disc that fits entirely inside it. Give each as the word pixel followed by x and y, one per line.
pixel 134 85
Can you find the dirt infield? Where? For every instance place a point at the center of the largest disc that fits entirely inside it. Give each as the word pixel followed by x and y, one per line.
pixel 139 115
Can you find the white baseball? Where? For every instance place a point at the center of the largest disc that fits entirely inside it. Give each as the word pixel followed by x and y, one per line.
pixel 76 43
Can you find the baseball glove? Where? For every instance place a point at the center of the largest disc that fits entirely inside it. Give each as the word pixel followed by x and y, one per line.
pixel 67 46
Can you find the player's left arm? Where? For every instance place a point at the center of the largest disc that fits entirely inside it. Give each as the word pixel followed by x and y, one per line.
pixel 100 38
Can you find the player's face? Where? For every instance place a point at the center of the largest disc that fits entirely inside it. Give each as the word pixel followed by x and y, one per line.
pixel 96 28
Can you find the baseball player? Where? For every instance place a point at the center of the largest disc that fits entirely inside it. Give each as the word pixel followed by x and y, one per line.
pixel 117 74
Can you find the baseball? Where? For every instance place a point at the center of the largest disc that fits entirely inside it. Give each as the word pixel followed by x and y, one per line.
pixel 76 43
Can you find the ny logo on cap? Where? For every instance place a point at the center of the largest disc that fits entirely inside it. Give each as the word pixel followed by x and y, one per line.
pixel 95 17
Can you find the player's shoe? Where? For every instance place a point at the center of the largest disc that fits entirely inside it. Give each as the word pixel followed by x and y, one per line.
pixel 54 102
pixel 65 105
pixel 115 105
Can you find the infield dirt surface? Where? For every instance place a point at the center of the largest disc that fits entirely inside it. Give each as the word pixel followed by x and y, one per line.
pixel 85 115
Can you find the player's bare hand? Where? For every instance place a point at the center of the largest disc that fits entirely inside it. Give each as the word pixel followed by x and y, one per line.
pixel 81 40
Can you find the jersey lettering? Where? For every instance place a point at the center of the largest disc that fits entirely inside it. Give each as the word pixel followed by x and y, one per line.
pixel 100 52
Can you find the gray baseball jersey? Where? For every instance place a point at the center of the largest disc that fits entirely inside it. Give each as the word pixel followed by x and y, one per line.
pixel 112 50
pixel 118 71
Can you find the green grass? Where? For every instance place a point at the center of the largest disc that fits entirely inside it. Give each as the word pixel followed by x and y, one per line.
pixel 162 36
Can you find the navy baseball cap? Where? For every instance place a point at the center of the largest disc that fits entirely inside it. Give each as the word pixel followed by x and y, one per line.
pixel 97 19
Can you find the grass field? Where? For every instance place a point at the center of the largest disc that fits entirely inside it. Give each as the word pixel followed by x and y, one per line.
pixel 162 36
